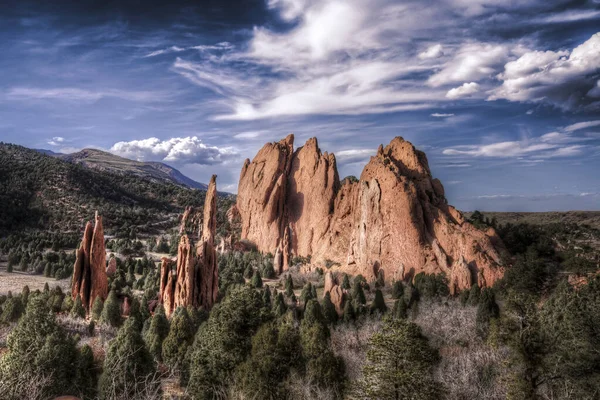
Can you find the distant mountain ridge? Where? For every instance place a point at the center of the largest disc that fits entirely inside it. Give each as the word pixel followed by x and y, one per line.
pixel 104 161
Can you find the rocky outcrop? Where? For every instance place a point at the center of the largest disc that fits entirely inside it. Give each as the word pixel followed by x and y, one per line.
pixel 193 279
pixel 89 272
pixel 112 266
pixel 336 293
pixel 395 218
pixel 190 223
pixel 261 199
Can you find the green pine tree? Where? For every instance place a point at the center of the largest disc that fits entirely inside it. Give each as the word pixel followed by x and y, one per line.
pixel 329 311
pixel 129 369
pixel 78 310
pixel 111 313
pixel 378 304
pixel 97 308
pixel 399 364
pixel 179 339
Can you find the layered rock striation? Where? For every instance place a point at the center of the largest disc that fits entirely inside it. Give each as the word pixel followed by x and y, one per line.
pixel 89 272
pixel 394 218
pixel 193 278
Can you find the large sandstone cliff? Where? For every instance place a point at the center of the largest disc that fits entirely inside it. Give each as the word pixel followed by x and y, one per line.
pixel 89 272
pixel 193 279
pixel 395 218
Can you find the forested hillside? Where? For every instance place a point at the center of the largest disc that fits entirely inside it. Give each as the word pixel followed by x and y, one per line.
pixel 40 191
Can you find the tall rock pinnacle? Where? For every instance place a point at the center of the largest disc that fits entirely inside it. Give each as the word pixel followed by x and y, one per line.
pixel 195 280
pixel 89 272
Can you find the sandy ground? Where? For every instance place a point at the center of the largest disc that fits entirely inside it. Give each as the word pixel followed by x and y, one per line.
pixel 16 280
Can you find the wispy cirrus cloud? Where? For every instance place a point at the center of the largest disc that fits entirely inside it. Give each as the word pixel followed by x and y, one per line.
pixel 550 145
pixel 78 94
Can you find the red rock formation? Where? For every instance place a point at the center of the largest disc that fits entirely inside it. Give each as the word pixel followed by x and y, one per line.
pixel 89 273
pixel 112 266
pixel 262 194
pixel 207 252
pixel 336 293
pixel 395 218
pixel 190 222
pixel 195 281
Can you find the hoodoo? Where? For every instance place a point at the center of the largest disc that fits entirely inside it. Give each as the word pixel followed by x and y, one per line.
pixel 395 218
pixel 89 273
pixel 193 279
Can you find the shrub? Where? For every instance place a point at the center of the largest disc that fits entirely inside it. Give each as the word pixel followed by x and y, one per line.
pixel 486 310
pixel 275 352
pixel 329 311
pixel 77 310
pixel 358 295
pixel 38 350
pixel 307 293
pixel 257 280
pixel 399 364
pixel 322 366
pixel 400 309
pixel 474 294
pixel 129 369
pixel 346 282
pixel 223 342
pixel 157 332
pixel 378 304
pixel 179 339
pixel 397 290
pixel 289 286
pixel 111 314
pixel 430 286
pixel 12 309
pixel 349 313
pixel 97 308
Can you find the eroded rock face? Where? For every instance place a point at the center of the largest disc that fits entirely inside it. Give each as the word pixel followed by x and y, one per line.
pixel 394 218
pixel 89 272
pixel 262 193
pixel 194 280
pixel 190 223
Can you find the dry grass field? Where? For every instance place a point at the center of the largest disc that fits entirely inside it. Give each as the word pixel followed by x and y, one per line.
pixel 15 281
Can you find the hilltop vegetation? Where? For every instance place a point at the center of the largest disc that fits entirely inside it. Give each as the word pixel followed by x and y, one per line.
pixel 40 191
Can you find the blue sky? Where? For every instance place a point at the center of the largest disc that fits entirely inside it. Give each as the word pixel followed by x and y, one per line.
pixel 502 95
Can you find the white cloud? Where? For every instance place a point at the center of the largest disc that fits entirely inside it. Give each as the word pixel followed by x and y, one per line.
pixel 340 57
pixel 502 149
pixel 467 89
pixel 218 46
pixel 549 145
pixel 184 150
pixel 249 135
pixel 172 49
pixel 471 62
pixel 569 16
pixel 56 141
pixel 581 125
pixel 439 115
pixel 354 155
pixel 435 51
pixel 561 78
pixel 595 91
pixel 76 94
